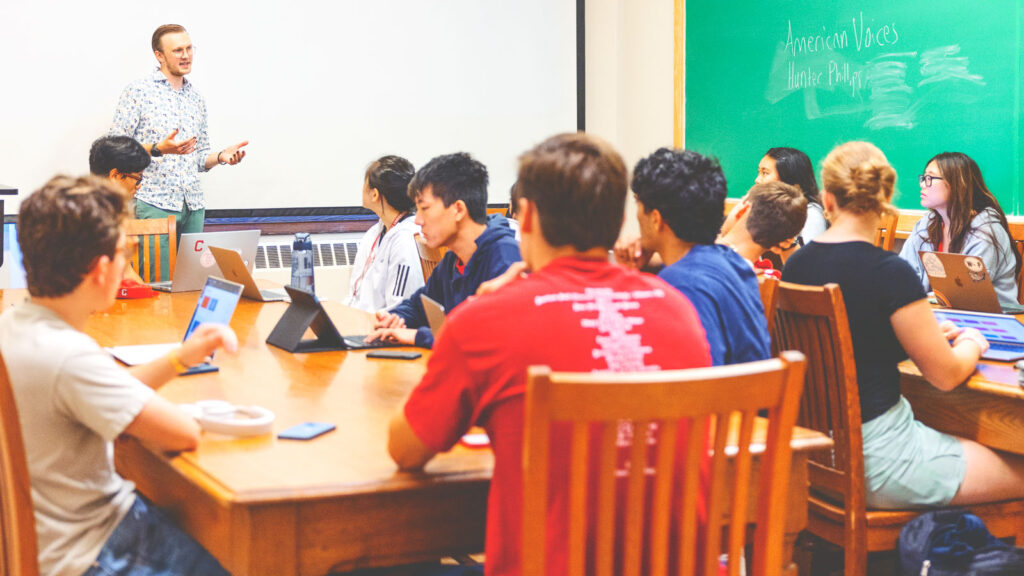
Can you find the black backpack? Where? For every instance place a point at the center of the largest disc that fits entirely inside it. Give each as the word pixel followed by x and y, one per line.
pixel 955 543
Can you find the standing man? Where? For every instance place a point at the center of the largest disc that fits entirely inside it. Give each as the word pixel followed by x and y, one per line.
pixel 168 116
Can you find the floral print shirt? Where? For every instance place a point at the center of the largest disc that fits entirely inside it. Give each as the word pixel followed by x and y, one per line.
pixel 149 110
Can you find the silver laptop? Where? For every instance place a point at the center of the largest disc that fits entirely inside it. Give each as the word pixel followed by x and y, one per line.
pixel 233 268
pixel 1005 334
pixel 435 314
pixel 195 263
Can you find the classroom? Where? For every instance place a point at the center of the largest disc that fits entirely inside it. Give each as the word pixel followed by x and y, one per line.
pixel 449 287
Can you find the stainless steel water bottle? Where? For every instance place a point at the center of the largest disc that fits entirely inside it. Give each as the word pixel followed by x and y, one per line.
pixel 302 262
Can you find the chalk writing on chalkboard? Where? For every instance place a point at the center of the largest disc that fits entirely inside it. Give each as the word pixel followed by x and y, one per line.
pixel 863 69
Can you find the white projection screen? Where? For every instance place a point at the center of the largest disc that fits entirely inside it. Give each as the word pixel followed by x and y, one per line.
pixel 319 88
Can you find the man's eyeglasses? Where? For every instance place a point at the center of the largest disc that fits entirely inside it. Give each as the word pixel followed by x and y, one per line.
pixel 926 180
pixel 181 52
pixel 134 176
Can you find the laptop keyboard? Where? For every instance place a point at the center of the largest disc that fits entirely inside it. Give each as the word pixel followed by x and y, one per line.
pixel 1006 347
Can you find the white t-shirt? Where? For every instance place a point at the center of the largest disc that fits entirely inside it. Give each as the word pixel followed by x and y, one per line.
pixel 387 270
pixel 73 399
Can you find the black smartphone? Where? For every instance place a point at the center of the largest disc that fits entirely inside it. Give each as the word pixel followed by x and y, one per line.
pixel 396 354
pixel 305 431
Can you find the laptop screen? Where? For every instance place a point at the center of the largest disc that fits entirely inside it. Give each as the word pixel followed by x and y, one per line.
pixel 216 304
pixel 994 327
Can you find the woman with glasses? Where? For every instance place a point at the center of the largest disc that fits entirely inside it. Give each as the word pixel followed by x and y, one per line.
pixel 906 464
pixel 387 267
pixel 963 218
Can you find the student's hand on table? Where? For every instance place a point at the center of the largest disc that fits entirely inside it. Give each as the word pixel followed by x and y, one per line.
pixel 405 336
pixel 973 335
pixel 517 270
pixel 385 319
pixel 169 146
pixel 949 329
pixel 629 252
pixel 205 341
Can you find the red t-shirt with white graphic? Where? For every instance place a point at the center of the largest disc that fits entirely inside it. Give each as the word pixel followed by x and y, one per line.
pixel 573 315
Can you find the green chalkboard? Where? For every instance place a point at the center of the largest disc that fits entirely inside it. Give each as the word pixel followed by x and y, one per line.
pixel 916 77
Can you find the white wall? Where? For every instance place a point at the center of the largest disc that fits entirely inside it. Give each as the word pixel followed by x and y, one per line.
pixel 629 77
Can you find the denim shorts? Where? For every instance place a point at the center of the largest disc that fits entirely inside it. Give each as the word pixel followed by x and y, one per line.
pixel 907 464
pixel 147 543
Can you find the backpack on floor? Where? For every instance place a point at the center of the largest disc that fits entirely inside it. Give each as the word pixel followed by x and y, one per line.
pixel 955 543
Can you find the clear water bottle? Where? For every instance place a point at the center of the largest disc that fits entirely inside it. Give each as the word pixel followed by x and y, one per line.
pixel 302 262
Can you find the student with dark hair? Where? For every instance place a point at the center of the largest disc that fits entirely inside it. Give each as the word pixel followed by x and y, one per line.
pixel 74 399
pixel 768 219
pixel 512 214
pixel 575 312
pixel 121 159
pixel 792 166
pixel 680 198
pixel 387 267
pixel 450 193
pixel 963 218
pixel 906 464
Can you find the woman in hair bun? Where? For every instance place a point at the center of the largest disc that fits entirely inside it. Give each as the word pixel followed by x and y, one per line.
pixel 906 464
pixel 963 218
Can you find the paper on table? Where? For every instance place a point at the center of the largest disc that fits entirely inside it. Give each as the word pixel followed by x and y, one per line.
pixel 141 353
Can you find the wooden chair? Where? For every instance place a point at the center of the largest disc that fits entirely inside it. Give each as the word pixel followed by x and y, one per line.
pixel 18 547
pixel 1017 235
pixel 885 236
pixel 701 400
pixel 150 231
pixel 812 319
pixel 429 257
pixel 769 288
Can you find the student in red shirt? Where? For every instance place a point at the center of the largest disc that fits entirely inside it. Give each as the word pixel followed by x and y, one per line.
pixel 575 312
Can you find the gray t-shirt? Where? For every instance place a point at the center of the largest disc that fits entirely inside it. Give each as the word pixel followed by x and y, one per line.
pixel 73 399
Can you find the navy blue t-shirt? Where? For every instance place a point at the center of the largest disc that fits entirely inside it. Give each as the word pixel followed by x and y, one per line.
pixel 875 284
pixel 723 288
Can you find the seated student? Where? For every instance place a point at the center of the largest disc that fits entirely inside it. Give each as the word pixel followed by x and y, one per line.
pixel 387 267
pixel 451 210
pixel 680 197
pixel 963 218
pixel 512 214
pixel 791 166
pixel 767 219
pixel 906 464
pixel 573 194
pixel 123 161
pixel 74 399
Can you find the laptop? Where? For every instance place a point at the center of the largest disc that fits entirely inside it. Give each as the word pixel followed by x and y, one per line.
pixel 194 262
pixel 961 281
pixel 1005 334
pixel 434 312
pixel 306 312
pixel 233 268
pixel 215 305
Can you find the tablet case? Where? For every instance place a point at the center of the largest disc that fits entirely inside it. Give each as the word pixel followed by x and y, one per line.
pixel 305 311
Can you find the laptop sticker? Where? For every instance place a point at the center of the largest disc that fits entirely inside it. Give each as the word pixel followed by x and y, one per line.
pixel 975 268
pixel 932 265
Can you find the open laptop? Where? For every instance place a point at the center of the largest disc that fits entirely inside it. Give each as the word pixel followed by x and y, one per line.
pixel 435 314
pixel 195 262
pixel 306 312
pixel 1005 334
pixel 961 281
pixel 233 268
pixel 215 305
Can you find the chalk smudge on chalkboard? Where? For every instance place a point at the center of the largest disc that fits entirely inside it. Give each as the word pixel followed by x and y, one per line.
pixel 942 63
pixel 889 93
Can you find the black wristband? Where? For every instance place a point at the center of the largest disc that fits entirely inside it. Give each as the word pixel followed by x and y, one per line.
pixel 155 152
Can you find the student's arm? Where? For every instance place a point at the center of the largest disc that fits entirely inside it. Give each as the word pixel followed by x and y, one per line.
pixel 194 351
pixel 913 245
pixel 405 447
pixel 405 275
pixel 165 426
pixel 995 248
pixel 945 367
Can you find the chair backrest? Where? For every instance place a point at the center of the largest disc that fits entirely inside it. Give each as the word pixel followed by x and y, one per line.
pixel 769 287
pixel 812 319
pixel 429 257
pixel 692 410
pixel 1017 235
pixel 148 232
pixel 18 547
pixel 885 236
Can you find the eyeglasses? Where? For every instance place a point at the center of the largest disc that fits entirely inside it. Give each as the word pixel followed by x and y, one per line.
pixel 134 176
pixel 926 180
pixel 180 52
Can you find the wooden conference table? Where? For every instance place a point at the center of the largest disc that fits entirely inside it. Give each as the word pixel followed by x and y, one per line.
pixel 336 503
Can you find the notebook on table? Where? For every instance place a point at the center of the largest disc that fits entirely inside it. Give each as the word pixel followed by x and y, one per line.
pixel 962 282
pixel 1005 334
pixel 215 305
pixel 233 268
pixel 194 262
